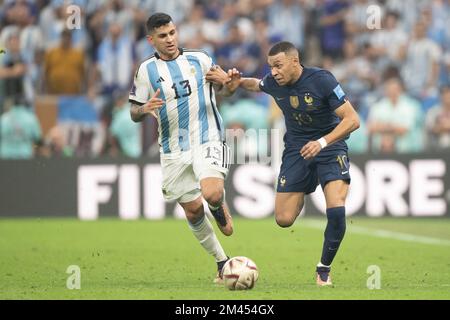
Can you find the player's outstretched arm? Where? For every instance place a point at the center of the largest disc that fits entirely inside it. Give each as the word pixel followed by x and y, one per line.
pixel 250 84
pixel 229 81
pixel 138 113
pixel 349 123
pixel 224 83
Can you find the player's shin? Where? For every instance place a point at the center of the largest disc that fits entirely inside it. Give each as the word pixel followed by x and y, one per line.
pixel 204 233
pixel 334 233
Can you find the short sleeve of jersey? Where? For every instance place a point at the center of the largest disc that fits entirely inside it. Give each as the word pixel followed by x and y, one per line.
pixel 266 84
pixel 140 91
pixel 205 60
pixel 333 94
pixel 209 61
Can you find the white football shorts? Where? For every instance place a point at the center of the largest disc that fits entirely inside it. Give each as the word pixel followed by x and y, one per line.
pixel 183 171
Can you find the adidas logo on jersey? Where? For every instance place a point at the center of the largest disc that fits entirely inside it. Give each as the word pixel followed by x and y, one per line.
pixel 161 79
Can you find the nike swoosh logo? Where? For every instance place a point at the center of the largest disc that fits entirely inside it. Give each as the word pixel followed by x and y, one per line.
pixel 345 172
pixel 276 98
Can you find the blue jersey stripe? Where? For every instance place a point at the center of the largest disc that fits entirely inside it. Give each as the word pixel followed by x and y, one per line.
pixel 182 104
pixel 154 76
pixel 202 117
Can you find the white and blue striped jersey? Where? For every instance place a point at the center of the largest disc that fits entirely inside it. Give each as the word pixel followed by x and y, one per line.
pixel 189 116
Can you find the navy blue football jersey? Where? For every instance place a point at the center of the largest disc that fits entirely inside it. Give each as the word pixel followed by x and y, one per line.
pixel 308 106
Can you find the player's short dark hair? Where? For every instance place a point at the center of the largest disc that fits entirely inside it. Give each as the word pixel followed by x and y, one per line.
pixel 283 46
pixel 157 20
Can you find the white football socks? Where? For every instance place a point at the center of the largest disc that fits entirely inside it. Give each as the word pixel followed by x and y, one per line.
pixel 204 233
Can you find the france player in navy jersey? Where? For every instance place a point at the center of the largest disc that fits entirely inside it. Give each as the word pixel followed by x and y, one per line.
pixel 318 119
pixel 171 86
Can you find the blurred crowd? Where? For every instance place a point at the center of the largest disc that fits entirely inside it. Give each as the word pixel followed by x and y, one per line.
pixel 392 57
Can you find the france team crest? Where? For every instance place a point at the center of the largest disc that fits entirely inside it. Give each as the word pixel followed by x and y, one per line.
pixel 308 99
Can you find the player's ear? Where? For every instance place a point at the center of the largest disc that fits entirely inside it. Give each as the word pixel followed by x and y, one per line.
pixel 150 39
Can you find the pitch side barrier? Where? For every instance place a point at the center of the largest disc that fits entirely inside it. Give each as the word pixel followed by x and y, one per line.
pixel 400 186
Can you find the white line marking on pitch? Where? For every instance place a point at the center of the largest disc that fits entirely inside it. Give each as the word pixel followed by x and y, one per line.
pixel 381 233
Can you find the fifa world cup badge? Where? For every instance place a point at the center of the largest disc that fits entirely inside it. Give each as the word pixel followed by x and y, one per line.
pixel 294 101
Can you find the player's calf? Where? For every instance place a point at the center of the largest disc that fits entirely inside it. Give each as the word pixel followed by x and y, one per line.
pixel 334 233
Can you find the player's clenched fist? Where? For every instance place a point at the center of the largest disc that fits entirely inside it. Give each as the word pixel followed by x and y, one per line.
pixel 229 80
pixel 217 75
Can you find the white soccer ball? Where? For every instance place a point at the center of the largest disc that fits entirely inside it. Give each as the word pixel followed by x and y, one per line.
pixel 240 273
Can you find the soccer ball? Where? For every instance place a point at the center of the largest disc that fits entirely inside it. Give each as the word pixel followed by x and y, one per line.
pixel 240 273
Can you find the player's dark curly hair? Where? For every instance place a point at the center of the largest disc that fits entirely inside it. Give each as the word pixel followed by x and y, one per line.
pixel 157 20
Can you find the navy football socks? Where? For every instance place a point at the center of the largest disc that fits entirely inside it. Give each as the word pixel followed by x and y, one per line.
pixel 334 233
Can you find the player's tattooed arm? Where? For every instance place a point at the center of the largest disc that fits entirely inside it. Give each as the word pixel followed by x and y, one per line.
pixel 138 113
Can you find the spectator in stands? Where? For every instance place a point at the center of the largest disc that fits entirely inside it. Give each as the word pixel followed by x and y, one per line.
pixel 395 122
pixel 115 61
pixel 355 72
pixel 53 21
pixel 287 18
pixel 421 63
pixel 438 122
pixel 125 134
pixel 356 21
pixel 332 22
pixel 410 11
pixel 387 41
pixel 65 68
pixel 241 33
pixel 237 52
pixel 31 44
pixel 12 72
pixel 358 142
pixel 437 15
pixel 56 143
pixel 19 133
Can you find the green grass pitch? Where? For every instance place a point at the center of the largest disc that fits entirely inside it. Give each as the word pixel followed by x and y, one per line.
pixel 161 259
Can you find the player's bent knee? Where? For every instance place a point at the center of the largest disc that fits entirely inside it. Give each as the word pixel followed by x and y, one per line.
pixel 214 198
pixel 284 221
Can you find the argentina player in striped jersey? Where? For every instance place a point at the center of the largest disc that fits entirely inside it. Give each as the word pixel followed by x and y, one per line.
pixel 318 119
pixel 171 86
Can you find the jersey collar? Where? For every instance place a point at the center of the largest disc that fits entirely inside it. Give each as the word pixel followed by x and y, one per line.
pixel 180 50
